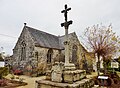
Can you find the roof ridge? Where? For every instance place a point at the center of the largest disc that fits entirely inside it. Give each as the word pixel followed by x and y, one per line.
pixel 44 39
pixel 40 31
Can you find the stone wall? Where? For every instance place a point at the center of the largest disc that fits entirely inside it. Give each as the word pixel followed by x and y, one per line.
pixel 24 46
pixel 27 40
pixel 74 41
pixel 42 53
pixel 42 58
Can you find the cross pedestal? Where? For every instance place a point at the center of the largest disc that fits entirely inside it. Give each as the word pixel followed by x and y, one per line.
pixel 68 66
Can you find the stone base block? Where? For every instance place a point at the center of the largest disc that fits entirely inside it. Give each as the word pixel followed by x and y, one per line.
pixel 48 75
pixel 69 66
pixel 56 77
pixel 85 83
pixel 73 76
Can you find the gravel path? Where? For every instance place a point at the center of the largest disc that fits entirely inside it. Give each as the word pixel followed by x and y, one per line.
pixel 30 81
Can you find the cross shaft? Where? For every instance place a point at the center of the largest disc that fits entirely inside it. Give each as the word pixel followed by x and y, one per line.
pixel 66 42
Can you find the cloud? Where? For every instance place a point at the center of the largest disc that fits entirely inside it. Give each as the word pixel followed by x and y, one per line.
pixel 46 15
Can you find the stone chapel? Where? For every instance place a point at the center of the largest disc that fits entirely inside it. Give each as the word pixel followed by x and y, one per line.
pixel 36 50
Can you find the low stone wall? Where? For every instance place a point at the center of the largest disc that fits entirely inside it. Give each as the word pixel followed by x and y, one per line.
pixel 73 76
pixel 85 83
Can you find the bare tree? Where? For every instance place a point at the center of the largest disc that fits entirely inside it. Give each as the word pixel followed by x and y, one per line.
pixel 103 42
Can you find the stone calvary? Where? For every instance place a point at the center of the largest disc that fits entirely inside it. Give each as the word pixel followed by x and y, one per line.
pixel 65 75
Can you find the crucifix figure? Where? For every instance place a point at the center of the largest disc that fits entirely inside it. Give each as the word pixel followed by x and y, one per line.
pixel 66 23
pixel 65 12
pixel 66 43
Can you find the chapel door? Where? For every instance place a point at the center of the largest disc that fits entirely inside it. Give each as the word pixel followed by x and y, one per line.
pixel 49 55
pixel 74 54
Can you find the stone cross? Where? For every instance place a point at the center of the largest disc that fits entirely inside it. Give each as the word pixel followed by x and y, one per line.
pixel 65 12
pixel 66 25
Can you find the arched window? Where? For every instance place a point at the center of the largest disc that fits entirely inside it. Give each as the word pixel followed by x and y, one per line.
pixel 49 55
pixel 74 53
pixel 23 50
pixel 36 55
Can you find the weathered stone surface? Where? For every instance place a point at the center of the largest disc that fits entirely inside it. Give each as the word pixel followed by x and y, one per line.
pixel 86 83
pixel 69 66
pixel 73 76
pixel 48 75
pixel 76 77
pixel 56 77
pixel 56 72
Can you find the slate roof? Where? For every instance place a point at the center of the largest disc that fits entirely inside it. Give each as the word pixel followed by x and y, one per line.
pixel 44 39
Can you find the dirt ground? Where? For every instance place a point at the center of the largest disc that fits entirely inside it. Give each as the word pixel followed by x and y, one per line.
pixel 30 81
pixel 27 79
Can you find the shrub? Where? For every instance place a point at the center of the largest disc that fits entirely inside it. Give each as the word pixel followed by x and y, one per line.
pixel 18 72
pixel 41 69
pixel 116 80
pixel 3 82
pixel 3 72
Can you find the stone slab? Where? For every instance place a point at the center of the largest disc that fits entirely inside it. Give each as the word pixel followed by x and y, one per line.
pixel 48 75
pixel 73 76
pixel 85 83
pixel 56 72
pixel 56 77
pixel 69 66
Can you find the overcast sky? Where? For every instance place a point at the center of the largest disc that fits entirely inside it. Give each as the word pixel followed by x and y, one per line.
pixel 46 15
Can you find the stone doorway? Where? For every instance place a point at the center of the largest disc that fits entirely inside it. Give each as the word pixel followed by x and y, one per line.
pixel 74 55
pixel 49 55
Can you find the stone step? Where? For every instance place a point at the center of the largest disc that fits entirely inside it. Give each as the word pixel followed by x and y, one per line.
pixel 84 83
pixel 96 86
pixel 73 76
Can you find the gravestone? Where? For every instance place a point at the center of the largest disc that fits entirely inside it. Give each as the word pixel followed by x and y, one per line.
pixel 56 72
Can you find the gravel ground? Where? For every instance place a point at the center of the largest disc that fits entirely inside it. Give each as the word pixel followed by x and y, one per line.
pixel 27 79
pixel 30 81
